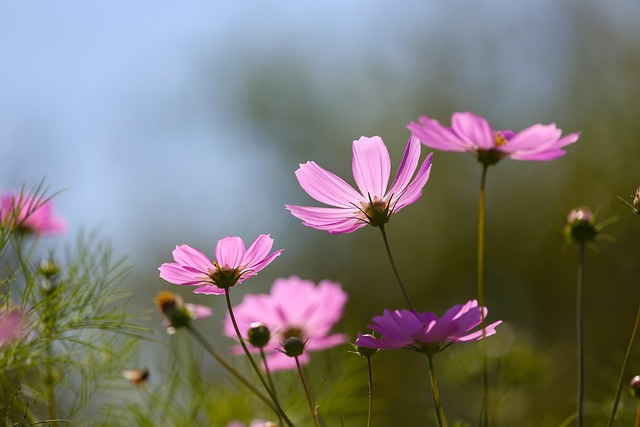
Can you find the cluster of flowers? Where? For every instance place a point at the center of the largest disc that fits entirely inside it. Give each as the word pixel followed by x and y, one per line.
pixel 297 316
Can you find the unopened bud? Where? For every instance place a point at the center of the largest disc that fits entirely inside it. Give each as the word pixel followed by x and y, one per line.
pixel 636 199
pixel 635 386
pixel 48 268
pixel 259 335
pixel 293 346
pixel 364 351
pixel 581 225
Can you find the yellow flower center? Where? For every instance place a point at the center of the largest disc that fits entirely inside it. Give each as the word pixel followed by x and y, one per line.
pixel 500 140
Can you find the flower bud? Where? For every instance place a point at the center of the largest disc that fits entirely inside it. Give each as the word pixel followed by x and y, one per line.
pixel 364 351
pixel 636 199
pixel 293 346
pixel 259 335
pixel 635 386
pixel 48 268
pixel 581 225
pixel 172 306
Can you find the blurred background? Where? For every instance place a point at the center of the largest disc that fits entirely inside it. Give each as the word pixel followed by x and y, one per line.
pixel 169 123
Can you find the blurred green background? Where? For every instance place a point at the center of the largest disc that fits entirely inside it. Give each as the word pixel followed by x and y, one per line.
pixel 183 123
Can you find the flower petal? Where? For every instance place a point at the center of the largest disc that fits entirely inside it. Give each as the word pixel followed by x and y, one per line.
pixel 371 166
pixel 192 258
pixel 413 192
pixel 230 252
pixel 178 275
pixel 258 250
pixel 333 220
pixel 327 187
pixel 434 135
pixel 407 167
pixel 473 129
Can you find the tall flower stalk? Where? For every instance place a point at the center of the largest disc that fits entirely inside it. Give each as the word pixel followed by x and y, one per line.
pixel 580 229
pixel 442 420
pixel 472 133
pixel 634 206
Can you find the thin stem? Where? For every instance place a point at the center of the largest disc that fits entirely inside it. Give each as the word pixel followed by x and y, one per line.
pixel 480 273
pixel 442 421
pixel 580 335
pixel 268 371
pixel 370 412
pixel 393 266
pixel 228 367
pixel 312 407
pixel 623 371
pixel 637 423
pixel 253 363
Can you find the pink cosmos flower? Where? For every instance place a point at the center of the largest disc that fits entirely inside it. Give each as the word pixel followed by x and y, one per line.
pixel 30 214
pixel 295 307
pixel 234 264
pixel 426 332
pixel 373 204
pixel 12 326
pixel 469 132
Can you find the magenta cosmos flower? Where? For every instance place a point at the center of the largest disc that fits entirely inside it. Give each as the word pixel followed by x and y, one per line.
pixel 30 214
pixel 233 264
pixel 373 204
pixel 469 132
pixel 426 332
pixel 294 308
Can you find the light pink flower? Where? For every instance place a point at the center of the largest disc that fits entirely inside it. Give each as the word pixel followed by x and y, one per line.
pixel 12 326
pixel 254 423
pixel 233 264
pixel 469 132
pixel 426 332
pixel 29 214
pixel 295 307
pixel 373 204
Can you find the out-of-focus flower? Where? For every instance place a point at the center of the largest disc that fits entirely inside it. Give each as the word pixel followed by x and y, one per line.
pixel 29 214
pixel 426 332
pixel 294 308
pixel 13 326
pixel 177 313
pixel 138 377
pixel 254 423
pixel 469 132
pixel 374 203
pixel 233 264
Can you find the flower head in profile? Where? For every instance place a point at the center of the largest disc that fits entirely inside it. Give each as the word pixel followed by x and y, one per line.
pixel 373 203
pixel 233 264
pixel 426 332
pixel 469 132
pixel 178 314
pixel 294 308
pixel 29 214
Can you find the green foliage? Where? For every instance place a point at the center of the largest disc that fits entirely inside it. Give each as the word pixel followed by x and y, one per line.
pixel 76 335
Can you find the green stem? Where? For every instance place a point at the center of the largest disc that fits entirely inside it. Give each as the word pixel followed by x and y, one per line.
pixel 268 371
pixel 314 413
pixel 580 335
pixel 624 369
pixel 637 423
pixel 228 367
pixel 442 421
pixel 393 266
pixel 370 412
pixel 480 273
pixel 253 363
